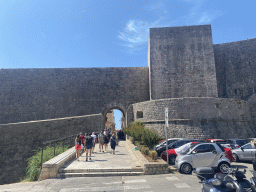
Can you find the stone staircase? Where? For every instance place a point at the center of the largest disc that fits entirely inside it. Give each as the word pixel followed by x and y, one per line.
pixel 100 172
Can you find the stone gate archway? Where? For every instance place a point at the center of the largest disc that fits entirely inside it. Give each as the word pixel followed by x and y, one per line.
pixel 104 114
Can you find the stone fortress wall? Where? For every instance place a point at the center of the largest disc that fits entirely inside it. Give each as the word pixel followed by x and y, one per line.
pixel 13 160
pixel 209 90
pixel 37 94
pixel 183 63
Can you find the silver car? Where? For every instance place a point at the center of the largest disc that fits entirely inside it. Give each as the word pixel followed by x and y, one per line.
pixel 244 153
pixel 203 155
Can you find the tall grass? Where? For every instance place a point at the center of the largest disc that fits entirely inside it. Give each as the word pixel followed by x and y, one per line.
pixel 34 162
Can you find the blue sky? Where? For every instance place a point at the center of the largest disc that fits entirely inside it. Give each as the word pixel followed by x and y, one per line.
pixel 107 33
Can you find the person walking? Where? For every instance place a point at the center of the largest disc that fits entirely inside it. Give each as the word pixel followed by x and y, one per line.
pixel 106 141
pixel 113 143
pixel 88 142
pixel 77 147
pixel 101 140
pixel 94 141
pixel 82 142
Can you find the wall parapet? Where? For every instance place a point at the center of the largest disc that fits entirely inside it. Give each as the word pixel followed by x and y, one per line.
pixel 51 167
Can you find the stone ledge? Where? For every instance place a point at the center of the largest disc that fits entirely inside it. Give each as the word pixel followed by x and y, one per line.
pixel 150 168
pixel 51 167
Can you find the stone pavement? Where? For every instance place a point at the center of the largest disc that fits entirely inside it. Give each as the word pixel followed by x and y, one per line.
pixel 123 162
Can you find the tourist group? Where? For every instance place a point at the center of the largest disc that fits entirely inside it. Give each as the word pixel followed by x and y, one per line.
pixel 86 143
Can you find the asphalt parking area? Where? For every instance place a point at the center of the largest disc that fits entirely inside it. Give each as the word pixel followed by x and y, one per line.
pixel 244 165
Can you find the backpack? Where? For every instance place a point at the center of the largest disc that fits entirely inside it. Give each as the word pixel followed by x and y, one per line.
pixel 89 140
pixel 101 138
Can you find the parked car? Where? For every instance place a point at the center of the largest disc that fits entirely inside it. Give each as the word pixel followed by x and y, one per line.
pixel 175 145
pixel 162 146
pixel 163 143
pixel 236 143
pixel 173 153
pixel 250 139
pixel 220 141
pixel 203 155
pixel 244 153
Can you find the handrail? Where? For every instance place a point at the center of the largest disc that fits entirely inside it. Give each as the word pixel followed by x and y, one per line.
pixel 39 142
pixel 42 143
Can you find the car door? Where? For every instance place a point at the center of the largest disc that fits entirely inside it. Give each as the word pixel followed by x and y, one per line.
pixel 203 155
pixel 248 152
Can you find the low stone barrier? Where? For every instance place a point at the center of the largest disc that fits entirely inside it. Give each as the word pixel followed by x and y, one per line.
pixel 150 168
pixel 51 167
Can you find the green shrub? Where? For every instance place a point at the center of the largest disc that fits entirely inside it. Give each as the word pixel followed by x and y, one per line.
pixel 153 155
pixel 137 143
pixel 143 136
pixel 132 140
pixel 34 162
pixel 145 150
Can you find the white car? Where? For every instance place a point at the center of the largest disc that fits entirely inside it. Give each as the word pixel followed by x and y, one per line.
pixel 203 155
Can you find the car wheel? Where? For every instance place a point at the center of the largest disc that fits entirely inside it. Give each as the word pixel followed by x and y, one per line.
pixel 186 168
pixel 223 167
pixel 235 157
pixel 172 159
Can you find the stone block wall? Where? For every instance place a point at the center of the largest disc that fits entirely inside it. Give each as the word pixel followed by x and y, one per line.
pixel 181 62
pixel 37 94
pixel 236 68
pixel 198 117
pixel 13 160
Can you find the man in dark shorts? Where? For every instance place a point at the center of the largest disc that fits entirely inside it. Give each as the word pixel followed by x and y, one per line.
pixel 88 143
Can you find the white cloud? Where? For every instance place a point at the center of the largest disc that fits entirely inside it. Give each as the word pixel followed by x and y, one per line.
pixel 192 12
pixel 136 32
pixel 199 15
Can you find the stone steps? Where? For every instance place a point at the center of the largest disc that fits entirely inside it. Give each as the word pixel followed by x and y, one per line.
pixel 98 174
pixel 64 170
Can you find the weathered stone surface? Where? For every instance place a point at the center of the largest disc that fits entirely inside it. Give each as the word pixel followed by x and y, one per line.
pixel 210 91
pixel 181 62
pixel 37 94
pixel 14 159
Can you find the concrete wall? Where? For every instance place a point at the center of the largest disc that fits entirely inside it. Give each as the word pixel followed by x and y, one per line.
pixel 37 94
pixel 13 160
pixel 181 62
pixel 198 117
pixel 236 69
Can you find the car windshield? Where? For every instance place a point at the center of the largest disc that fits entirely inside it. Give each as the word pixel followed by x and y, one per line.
pixel 241 142
pixel 162 143
pixel 183 148
pixel 169 141
pixel 189 149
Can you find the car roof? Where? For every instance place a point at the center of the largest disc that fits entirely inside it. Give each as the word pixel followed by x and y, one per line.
pixel 215 139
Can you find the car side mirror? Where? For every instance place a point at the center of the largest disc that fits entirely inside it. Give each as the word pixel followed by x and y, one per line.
pixel 194 152
pixel 214 152
pixel 242 149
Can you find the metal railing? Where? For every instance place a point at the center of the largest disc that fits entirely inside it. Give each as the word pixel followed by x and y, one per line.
pixel 42 145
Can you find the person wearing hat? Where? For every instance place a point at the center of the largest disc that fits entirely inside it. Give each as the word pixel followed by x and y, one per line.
pixel 88 142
